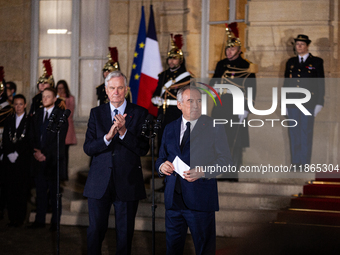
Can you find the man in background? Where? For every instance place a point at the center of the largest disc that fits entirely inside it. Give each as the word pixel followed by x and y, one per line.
pixel 44 167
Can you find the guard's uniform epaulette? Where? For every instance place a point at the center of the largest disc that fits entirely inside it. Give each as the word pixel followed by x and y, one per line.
pixel 248 61
pixel 98 86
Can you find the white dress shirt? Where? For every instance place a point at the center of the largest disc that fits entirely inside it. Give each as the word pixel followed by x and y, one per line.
pixel 184 127
pixel 18 120
pixel 304 57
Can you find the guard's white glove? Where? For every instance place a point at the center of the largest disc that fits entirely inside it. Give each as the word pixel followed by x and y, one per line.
pixel 13 156
pixel 317 109
pixel 1 157
pixel 243 116
pixel 157 101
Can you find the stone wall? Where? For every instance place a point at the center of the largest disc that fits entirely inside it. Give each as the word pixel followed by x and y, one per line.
pixel 15 33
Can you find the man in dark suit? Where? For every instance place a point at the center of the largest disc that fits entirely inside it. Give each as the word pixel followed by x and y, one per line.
pixel 304 71
pixel 191 201
pixel 44 170
pixel 114 140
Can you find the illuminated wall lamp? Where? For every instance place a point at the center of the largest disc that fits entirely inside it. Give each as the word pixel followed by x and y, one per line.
pixel 58 31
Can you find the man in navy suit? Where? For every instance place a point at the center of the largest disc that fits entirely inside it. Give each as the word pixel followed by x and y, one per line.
pixel 114 140
pixel 192 201
pixel 45 162
pixel 304 71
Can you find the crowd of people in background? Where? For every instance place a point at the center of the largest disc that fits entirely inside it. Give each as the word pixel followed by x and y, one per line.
pixel 28 157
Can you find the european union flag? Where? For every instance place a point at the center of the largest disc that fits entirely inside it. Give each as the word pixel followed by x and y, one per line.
pixel 138 59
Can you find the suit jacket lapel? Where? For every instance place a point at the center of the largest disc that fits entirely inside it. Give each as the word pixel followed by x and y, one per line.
pixel 308 60
pixel 13 123
pixel 21 125
pixel 49 134
pixel 40 113
pixel 297 60
pixel 129 116
pixel 107 118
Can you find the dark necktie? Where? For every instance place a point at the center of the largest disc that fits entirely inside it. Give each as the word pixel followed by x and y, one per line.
pixel 46 118
pixel 301 62
pixel 186 136
pixel 115 113
pixel 43 129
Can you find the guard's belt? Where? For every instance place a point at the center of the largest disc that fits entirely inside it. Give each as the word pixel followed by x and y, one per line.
pixel 177 79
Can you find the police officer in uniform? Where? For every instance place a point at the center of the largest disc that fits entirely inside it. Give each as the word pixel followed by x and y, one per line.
pixel 111 65
pixel 169 81
pixel 239 72
pixel 45 81
pixel 304 71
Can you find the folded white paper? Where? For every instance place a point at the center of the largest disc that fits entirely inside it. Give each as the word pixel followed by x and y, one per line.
pixel 180 166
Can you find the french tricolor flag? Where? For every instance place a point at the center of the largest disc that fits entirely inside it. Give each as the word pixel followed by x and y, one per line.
pixel 151 67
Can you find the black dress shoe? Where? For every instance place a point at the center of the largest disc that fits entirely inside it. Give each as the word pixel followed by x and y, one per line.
pixel 36 225
pixel 53 227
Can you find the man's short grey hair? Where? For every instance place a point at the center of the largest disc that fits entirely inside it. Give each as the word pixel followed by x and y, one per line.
pixel 113 75
pixel 181 91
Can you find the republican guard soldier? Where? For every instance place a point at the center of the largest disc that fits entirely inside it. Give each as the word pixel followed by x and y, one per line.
pixel 169 81
pixel 111 65
pixel 46 80
pixel 240 72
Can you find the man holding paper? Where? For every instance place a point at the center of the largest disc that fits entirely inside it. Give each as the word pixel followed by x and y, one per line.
pixel 189 145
